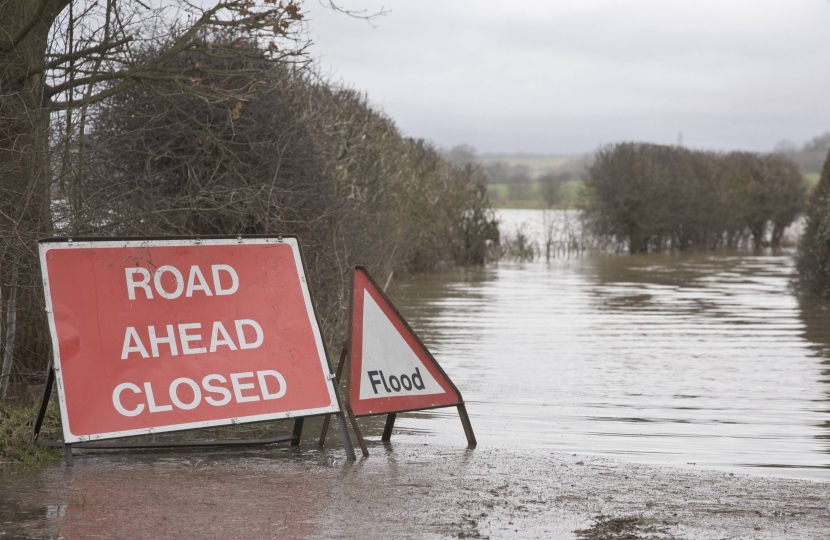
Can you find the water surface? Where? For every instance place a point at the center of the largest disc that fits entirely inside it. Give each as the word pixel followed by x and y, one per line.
pixel 704 360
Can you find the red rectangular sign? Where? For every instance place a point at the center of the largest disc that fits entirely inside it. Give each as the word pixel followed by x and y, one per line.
pixel 164 335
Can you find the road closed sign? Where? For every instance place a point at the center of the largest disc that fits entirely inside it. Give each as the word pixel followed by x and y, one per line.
pixel 391 369
pixel 165 335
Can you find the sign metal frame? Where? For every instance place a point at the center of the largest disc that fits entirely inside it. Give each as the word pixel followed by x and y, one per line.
pixel 54 372
pixel 346 359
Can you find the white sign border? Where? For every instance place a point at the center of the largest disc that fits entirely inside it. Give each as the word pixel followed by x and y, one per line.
pixel 45 246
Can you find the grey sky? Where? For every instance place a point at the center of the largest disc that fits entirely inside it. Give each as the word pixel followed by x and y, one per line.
pixel 567 76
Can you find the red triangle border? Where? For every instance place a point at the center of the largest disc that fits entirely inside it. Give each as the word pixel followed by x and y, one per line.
pixel 363 283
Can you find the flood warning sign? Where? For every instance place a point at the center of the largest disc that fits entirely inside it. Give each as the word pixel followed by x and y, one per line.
pixel 391 369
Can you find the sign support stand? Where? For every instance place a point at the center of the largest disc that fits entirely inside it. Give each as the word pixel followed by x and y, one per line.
pixel 337 374
pixel 294 438
pixel 387 429
pixel 297 431
pixel 341 418
pixel 357 433
pixel 341 363
pixel 44 402
pixel 344 434
pixel 468 427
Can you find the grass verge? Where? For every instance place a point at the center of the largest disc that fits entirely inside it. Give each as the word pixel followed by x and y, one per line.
pixel 16 444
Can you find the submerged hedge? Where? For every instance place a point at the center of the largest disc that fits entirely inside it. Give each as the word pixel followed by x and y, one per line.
pixel 813 260
pixel 648 197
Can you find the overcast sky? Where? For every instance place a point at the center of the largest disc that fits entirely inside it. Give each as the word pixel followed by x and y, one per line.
pixel 568 76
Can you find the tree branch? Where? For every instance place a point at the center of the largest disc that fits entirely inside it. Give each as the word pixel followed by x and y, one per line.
pixel 64 105
pixel 361 14
pixel 102 48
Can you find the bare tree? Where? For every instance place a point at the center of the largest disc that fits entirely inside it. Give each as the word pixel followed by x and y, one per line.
pixel 169 118
pixel 58 58
pixel 61 56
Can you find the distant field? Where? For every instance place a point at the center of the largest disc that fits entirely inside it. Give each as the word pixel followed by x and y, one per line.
pixel 497 191
pixel 530 196
pixel 513 203
pixel 538 164
pixel 501 196
pixel 811 179
pixel 530 160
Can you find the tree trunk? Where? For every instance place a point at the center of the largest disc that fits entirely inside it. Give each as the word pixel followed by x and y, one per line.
pixel 637 242
pixel 8 351
pixel 25 172
pixel 24 116
pixel 758 231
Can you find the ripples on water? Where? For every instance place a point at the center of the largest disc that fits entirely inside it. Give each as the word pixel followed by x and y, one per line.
pixel 703 359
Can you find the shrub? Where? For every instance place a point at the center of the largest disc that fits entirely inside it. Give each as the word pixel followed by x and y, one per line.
pixel 813 259
pixel 281 152
pixel 298 156
pixel 652 197
pixel 550 186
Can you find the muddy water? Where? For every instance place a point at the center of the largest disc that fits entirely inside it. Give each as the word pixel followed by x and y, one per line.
pixel 696 361
pixel 704 360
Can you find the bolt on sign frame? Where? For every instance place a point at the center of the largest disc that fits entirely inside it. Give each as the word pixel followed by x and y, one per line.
pixel 390 343
pixel 161 334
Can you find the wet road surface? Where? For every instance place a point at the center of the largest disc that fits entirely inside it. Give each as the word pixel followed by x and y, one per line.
pixel 402 490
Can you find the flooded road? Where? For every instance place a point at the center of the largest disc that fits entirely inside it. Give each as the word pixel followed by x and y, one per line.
pixel 704 360
pixel 401 491
pixel 583 378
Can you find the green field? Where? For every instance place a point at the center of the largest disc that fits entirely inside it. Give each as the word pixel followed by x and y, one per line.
pixel 811 179
pixel 536 163
pixel 530 195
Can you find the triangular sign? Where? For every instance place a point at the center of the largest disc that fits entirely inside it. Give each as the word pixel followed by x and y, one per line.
pixel 391 369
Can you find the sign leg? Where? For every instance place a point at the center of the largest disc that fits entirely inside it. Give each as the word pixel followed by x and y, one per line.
pixel 298 431
pixel 344 434
pixel 468 427
pixel 358 433
pixel 338 373
pixel 44 402
pixel 326 420
pixel 387 429
pixel 67 454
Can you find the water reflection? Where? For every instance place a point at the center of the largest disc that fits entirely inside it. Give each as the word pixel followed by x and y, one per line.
pixel 705 359
pixel 816 317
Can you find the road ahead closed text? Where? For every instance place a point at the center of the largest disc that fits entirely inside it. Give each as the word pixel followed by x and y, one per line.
pixel 176 334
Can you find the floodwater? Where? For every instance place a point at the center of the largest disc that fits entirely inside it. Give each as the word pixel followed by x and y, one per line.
pixel 582 376
pixel 704 360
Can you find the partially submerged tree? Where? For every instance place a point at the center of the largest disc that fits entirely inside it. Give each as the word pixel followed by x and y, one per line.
pixel 650 197
pixel 550 186
pixel 813 260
